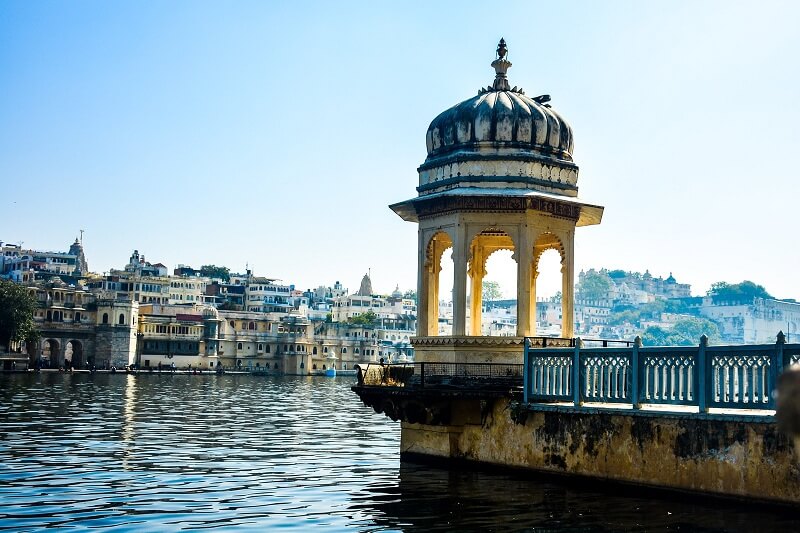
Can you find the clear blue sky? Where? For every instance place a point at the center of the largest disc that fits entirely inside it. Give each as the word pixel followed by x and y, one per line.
pixel 278 133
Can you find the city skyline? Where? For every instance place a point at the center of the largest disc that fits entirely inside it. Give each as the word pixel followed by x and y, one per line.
pixel 276 135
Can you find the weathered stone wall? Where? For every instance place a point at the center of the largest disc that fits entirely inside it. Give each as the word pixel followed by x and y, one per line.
pixel 724 456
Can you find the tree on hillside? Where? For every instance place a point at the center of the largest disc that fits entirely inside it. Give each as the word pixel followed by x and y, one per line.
pixel 743 292
pixel 214 271
pixel 594 285
pixel 685 332
pixel 364 319
pixel 491 291
pixel 16 314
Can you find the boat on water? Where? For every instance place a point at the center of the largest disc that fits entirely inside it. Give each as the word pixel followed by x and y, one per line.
pixel 330 366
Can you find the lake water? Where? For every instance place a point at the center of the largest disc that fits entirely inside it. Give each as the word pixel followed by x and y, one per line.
pixel 238 452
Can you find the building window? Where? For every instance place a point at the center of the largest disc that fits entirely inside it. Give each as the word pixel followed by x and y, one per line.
pixel 239 346
pixel 344 350
pixel 121 318
pixel 314 350
pixel 105 318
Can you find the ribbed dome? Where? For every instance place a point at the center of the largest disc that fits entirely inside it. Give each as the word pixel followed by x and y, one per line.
pixel 500 138
pixel 500 119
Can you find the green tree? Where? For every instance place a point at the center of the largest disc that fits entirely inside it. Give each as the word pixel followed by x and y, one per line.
pixel 685 332
pixel 364 319
pixel 214 271
pixel 743 292
pixel 16 314
pixel 491 291
pixel 594 285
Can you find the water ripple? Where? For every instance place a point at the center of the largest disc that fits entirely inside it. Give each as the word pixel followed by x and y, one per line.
pixel 163 452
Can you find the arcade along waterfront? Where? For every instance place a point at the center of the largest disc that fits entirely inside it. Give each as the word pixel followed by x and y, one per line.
pixel 187 452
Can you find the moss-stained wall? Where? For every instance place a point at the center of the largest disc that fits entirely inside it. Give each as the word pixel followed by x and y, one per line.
pixel 711 454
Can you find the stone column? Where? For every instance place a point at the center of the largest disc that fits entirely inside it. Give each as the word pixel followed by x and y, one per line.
pixel 534 277
pixel 423 285
pixel 460 248
pixel 568 286
pixel 523 253
pixel 477 273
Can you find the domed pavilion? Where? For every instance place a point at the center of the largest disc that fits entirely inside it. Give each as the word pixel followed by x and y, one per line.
pixel 499 176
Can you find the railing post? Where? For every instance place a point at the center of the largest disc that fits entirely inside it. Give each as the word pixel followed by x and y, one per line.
pixel 703 380
pixel 637 343
pixel 576 373
pixel 422 375
pixel 780 341
pixel 525 363
pixel 779 365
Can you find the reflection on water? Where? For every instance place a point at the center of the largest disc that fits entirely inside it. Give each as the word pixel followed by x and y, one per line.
pixel 170 452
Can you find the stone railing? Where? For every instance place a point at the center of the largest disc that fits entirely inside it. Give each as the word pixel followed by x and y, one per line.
pixel 441 375
pixel 739 377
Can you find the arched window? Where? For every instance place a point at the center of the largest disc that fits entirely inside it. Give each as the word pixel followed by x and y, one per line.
pixel 314 350
pixel 325 349
pixel 121 318
pixel 267 350
pixel 239 346
pixel 302 365
pixel 357 350
pixel 314 367
pixel 105 318
pixel 324 367
pixel 77 317
pixel 344 350
pixel 258 365
pixel 251 325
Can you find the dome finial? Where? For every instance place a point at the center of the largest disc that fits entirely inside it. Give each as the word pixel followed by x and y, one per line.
pixel 501 66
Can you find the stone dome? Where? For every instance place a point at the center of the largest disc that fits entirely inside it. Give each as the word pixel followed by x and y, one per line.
pixel 497 120
pixel 501 136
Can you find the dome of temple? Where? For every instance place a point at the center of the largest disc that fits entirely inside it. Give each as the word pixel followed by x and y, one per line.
pixel 501 132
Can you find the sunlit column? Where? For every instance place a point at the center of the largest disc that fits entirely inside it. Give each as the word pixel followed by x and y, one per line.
pixel 568 287
pixel 460 281
pixel 523 253
pixel 477 273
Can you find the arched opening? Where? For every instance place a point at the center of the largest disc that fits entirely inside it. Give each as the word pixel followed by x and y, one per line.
pixel 314 350
pixel 302 365
pixel 50 354
pixel 121 319
pixel 251 326
pixel 548 282
pixel 491 251
pixel 105 318
pixel 436 302
pixel 73 354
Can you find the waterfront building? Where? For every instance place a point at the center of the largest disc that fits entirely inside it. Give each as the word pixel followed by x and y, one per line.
pixel 753 321
pixel 22 265
pixel 395 321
